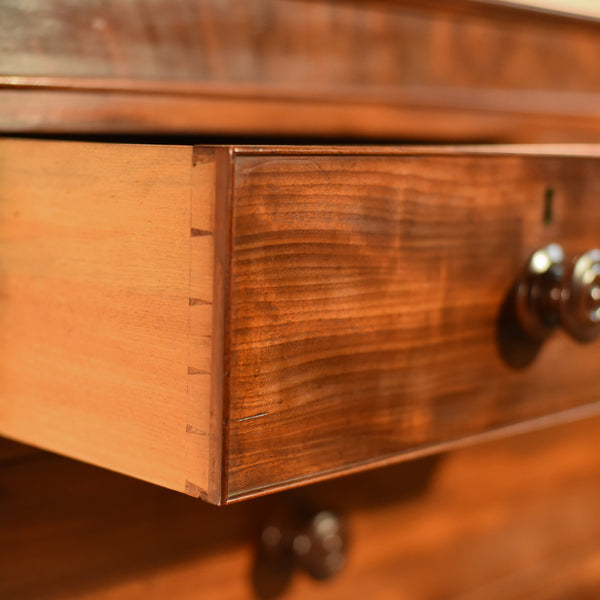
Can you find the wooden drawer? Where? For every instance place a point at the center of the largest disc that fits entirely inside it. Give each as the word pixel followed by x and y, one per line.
pixel 233 320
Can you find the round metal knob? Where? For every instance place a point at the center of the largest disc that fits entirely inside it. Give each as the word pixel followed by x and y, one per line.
pixel 554 291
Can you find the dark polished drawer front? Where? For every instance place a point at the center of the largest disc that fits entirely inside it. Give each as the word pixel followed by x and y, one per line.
pixel 365 291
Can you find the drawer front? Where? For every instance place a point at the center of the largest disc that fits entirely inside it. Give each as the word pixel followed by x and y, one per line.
pixel 364 303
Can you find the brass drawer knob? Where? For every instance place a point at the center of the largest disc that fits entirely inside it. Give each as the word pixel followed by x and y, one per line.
pixel 554 291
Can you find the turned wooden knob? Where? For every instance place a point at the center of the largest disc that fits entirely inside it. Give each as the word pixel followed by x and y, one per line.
pixel 313 541
pixel 320 546
pixel 554 291
pixel 580 300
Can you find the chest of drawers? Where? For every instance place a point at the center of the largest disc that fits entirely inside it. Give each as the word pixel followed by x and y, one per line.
pixel 235 259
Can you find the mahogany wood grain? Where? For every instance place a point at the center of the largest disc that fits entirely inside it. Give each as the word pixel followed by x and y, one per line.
pixel 106 305
pixel 507 520
pixel 365 291
pixel 293 67
pixel 287 42
pixel 230 321
pixel 348 114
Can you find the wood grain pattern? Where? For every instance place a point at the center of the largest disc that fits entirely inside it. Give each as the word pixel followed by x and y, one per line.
pixel 365 291
pixel 504 521
pixel 229 321
pixel 290 41
pixel 290 67
pixel 415 114
pixel 97 359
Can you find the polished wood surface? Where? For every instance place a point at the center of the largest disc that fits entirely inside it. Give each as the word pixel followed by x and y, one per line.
pixel 115 328
pixel 349 319
pixel 366 287
pixel 100 285
pixel 460 70
pixel 410 115
pixel 503 521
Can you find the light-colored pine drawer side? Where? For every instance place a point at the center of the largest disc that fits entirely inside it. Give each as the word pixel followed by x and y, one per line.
pixel 106 305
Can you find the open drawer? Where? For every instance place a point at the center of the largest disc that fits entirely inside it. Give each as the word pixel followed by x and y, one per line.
pixel 233 320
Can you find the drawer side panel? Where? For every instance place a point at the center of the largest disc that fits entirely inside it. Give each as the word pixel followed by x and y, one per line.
pixel 95 306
